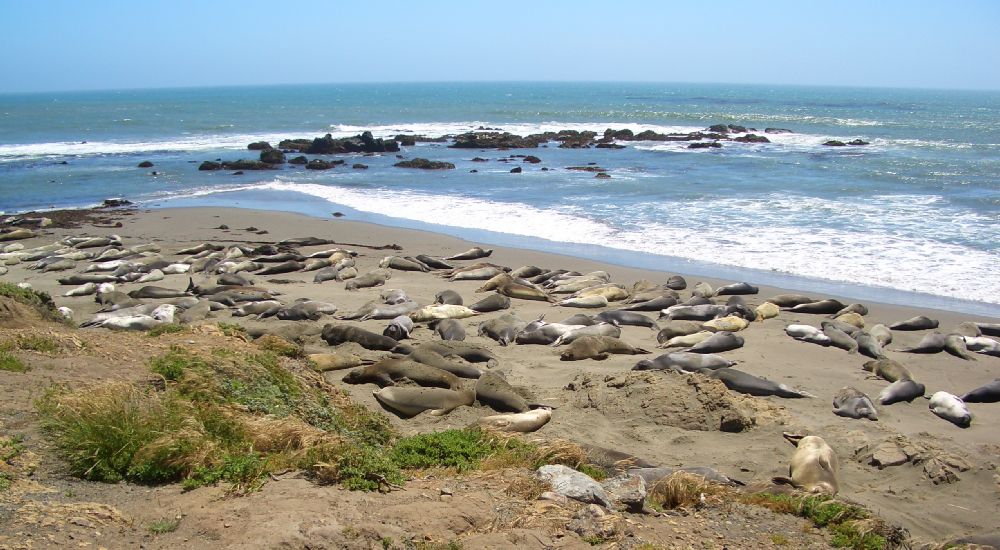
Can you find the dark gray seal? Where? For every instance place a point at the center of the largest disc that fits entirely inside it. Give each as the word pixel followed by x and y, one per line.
pixel 283 267
pixel 388 371
pixel 851 402
pixel 868 345
pixel 737 289
pixel 469 352
pixel 626 318
pixel 399 328
pixel 989 393
pixel 901 390
pixel 448 329
pixel 887 369
pixel 495 392
pixel 672 329
pixel 676 282
pixel 493 302
pixel 656 304
pixel 504 329
pixel 717 343
pixel 449 297
pixel 742 382
pixel 684 362
pixel 423 354
pixel 822 307
pixel 919 322
pixel 597 347
pixel 989 329
pixel 373 278
pixel 473 253
pixel 338 334
pixel 840 339
pixel 157 292
pixel 703 312
pixel 790 300
pixel 579 319
pixel 432 262
pixel 930 343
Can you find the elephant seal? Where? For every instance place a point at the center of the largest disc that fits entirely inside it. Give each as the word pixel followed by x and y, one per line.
pixel 410 401
pixel 881 333
pixel 822 307
pixel 323 362
pixel 968 329
pixel 402 264
pixel 983 345
pixel 656 304
pixel 717 343
pixel 950 408
pixel 493 302
pixel 742 382
pixel 814 467
pixel 930 343
pixel 887 369
pixel 955 345
pixel 283 267
pixel 684 362
pixel 523 292
pixel 790 300
pixel 868 345
pixel 807 333
pixel 584 302
pixel 860 309
pixel 504 329
pixel 736 289
pixel 542 333
pixel 195 313
pixel 326 274
pixel 523 422
pixel 839 338
pixel 86 289
pixel 157 292
pixel 919 322
pixel 904 389
pixel 387 371
pixel 676 282
pixel 730 323
pixel 579 319
pixel 81 278
pixel 448 329
pixel 629 318
pixel 373 278
pixel 441 311
pixel 394 296
pixel 702 312
pixel 399 328
pixel 989 329
pixel 432 262
pixel 304 310
pixel 597 347
pixel 449 297
pixel 469 352
pixel 767 310
pixel 989 393
pixel 527 271
pixel 495 392
pixel 652 474
pixel 473 253
pixel 338 334
pixel 423 354
pixel 672 329
pixel 600 329
pixel 853 403
pixel 853 319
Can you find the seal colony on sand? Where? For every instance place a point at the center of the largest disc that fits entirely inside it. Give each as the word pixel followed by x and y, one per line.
pixel 474 351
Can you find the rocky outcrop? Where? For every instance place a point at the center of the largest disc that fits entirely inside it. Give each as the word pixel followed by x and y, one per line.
pixel 259 146
pixel 834 143
pixel 515 170
pixel 496 140
pixel 424 164
pixel 145 164
pixel 588 168
pixel 572 484
pixel 705 145
pixel 359 166
pixel 328 145
pixel 235 165
pixel 209 165
pixel 298 160
pixel 858 142
pixel 319 164
pixel 729 129
pixel 272 156
pixel 778 131
pixel 752 138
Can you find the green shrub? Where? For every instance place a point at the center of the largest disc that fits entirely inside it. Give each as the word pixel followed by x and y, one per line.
pixel 162 526
pixel 166 328
pixel 11 363
pixel 363 468
pixel 43 344
pixel 459 449
pixel 40 301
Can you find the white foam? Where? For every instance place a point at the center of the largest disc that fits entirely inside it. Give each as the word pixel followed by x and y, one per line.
pixel 870 251
pixel 193 143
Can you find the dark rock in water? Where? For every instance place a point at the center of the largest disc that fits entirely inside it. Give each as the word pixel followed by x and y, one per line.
pixel 609 146
pixel 359 166
pixel 406 141
pixel 625 134
pixel 835 143
pixel 704 145
pixel 479 159
pixel 238 173
pixel 246 165
pixel 721 128
pixel 496 140
pixel 328 145
pixel 734 128
pixel 298 160
pixel 515 170
pixel 209 165
pixel 295 144
pixel 319 164
pixel 425 164
pixel 338 214
pixel 259 146
pixel 115 202
pixel 145 164
pixel 752 138
pixel 858 142
pixel 777 131
pixel 586 168
pixel 532 159
pixel 603 175
pixel 545 169
pixel 272 156
pixel 223 226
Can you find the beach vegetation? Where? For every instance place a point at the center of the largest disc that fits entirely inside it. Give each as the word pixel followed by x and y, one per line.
pixel 163 526
pixel 850 526
pixel 12 363
pixel 39 301
pixel 37 342
pixel 232 330
pixel 279 346
pixel 166 328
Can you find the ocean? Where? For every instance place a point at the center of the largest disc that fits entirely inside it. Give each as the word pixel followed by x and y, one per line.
pixel 913 218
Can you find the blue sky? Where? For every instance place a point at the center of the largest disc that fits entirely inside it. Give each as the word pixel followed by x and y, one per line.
pixel 52 45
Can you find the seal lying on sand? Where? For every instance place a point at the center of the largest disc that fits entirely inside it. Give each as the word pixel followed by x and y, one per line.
pixel 989 393
pixel 742 382
pixel 950 408
pixel 853 403
pixel 338 334
pixel 814 467
pixel 919 322
pixel 597 347
pixel 448 329
pixel 410 401
pixel 684 362
pixel 387 371
pixel 523 422
pixel 495 392
pixel 904 389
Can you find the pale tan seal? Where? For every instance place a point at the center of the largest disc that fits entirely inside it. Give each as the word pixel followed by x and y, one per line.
pixel 524 422
pixel 411 401
pixel 814 467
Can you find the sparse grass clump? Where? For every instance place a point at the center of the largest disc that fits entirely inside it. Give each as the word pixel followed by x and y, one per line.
pixel 163 526
pixel 40 301
pixel 279 346
pixel 686 490
pixel 851 526
pixel 232 330
pixel 37 342
pixel 11 363
pixel 166 328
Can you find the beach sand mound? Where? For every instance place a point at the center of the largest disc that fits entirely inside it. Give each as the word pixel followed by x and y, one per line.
pixel 691 402
pixel 939 466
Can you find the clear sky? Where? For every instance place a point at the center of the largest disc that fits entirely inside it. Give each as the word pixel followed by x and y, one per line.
pixel 52 45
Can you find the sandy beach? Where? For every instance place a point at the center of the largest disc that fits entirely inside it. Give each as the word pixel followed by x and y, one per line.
pixel 946 484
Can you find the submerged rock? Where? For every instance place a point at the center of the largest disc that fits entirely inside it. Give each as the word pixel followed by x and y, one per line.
pixel 425 164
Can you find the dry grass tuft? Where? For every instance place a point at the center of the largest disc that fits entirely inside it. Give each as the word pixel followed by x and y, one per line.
pixel 687 490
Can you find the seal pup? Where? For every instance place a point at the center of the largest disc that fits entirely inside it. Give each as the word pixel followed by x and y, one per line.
pixel 441 311
pixel 403 264
pixel 448 329
pixel 672 329
pixel 540 332
pixel 584 302
pixel 742 382
pixel 157 292
pixel 394 296
pixel 955 345
pixel 988 393
pixel 860 309
pixel 523 422
pixel 473 253
pixel 655 304
pixel 495 392
pixel 432 262
pixel 283 267
pixel 951 408
pixel 600 329
pixel 851 402
pixel 887 369
pixel 527 271
pixel 853 319
pixel 919 322
pixel 868 345
pixel 702 312
pixel 597 347
pixel 717 343
pixel 814 467
pixel 675 282
pixel 86 289
pixel 388 371
pixel 523 292
pixel 410 401
pixel 399 328
pixel 504 329
pixel 730 323
pixel 684 362
pixel 322 362
pixel 930 343
pixel 449 297
pixel 982 344
pixel 904 389
pixel 989 329
pixel 493 302
pixel 469 352
pixel 790 300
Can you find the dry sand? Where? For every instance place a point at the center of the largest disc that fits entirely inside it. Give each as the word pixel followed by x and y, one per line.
pixel 950 485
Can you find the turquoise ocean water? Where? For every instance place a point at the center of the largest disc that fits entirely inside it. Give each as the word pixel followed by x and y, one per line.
pixel 912 218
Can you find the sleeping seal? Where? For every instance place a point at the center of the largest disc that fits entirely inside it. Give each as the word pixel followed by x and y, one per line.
pixel 930 343
pixel 736 289
pixel 853 403
pixel 717 343
pixel 904 389
pixel 807 333
pixel 473 253
pixel 597 347
pixel 522 422
pixel 410 401
pixel 950 408
pixel 990 393
pixel 630 318
pixel 448 329
pixel 469 352
pixel 387 371
pixel 839 338
pixel 814 467
pixel 504 329
pixel 672 329
pixel 376 277
pixel 919 322
pixel 449 297
pixel 495 392
pixel 422 354
pixel 338 334
pixel 889 370
pixel 493 302
pixel 742 382
pixel 684 362
pixel 399 328
pixel 822 307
